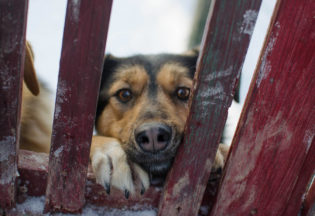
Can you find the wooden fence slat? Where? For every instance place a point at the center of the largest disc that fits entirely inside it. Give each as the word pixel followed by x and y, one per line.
pixel 293 206
pixel 275 135
pixel 81 62
pixel 228 31
pixel 13 17
pixel 309 202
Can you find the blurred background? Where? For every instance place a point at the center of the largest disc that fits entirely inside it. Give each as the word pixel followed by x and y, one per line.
pixel 136 26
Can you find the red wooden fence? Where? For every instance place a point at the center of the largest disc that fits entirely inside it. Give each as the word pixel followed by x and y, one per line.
pixel 273 152
pixel 78 85
pixel 12 42
pixel 272 156
pixel 223 51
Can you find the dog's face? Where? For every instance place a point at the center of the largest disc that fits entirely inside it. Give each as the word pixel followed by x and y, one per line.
pixel 143 103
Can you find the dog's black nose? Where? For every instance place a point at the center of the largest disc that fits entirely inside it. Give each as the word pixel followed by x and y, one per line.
pixel 153 137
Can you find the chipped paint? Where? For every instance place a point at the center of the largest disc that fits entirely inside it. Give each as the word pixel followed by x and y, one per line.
pixel 58 151
pixel 265 66
pixel 76 10
pixel 212 91
pixel 57 111
pixel 308 138
pixel 62 92
pixel 249 20
pixel 181 184
pixel 219 74
pixel 7 141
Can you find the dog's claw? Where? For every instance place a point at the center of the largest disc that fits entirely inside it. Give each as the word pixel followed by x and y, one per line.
pixel 142 189
pixel 126 193
pixel 107 187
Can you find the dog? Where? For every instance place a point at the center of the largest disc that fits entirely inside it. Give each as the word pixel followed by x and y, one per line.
pixel 140 118
pixel 141 114
pixel 36 109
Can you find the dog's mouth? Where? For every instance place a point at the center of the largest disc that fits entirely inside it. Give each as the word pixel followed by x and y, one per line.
pixel 156 165
pixel 157 171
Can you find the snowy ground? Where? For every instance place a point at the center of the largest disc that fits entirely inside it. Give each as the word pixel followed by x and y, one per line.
pixel 35 206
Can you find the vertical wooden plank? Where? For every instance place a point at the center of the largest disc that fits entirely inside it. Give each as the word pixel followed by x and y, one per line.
pixel 81 62
pixel 13 15
pixel 225 42
pixel 295 202
pixel 275 135
pixel 309 202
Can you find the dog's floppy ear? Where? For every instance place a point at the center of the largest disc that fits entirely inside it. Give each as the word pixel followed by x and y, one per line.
pixel 29 70
pixel 110 62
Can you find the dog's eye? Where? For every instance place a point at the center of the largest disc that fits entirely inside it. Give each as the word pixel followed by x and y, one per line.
pixel 124 95
pixel 183 93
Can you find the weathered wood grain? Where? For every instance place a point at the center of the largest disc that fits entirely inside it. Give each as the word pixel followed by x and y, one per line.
pixel 272 154
pixel 297 201
pixel 32 181
pixel 81 62
pixel 309 202
pixel 225 42
pixel 13 17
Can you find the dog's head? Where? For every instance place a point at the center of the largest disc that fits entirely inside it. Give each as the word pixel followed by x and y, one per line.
pixel 143 102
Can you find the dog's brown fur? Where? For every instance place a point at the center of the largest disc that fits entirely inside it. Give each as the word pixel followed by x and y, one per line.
pixel 116 157
pixel 153 81
pixel 36 109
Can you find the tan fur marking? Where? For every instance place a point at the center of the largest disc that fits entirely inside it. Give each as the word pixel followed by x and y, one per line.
pixel 36 111
pixel 134 77
pixel 173 75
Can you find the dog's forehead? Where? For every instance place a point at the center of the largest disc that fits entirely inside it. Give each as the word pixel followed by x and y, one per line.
pixel 155 64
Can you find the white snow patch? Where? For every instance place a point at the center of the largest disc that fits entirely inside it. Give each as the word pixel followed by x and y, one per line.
pixel 4 155
pixel 231 122
pixel 35 205
pixel 248 23
pixel 38 159
pixel 57 151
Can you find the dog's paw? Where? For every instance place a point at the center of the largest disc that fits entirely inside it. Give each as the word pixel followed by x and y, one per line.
pixel 111 169
pixel 220 157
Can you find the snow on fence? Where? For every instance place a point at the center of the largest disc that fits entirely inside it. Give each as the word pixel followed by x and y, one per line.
pixel 271 162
